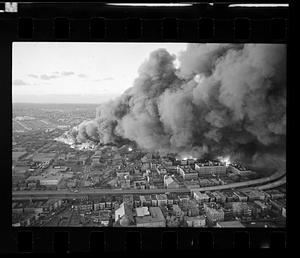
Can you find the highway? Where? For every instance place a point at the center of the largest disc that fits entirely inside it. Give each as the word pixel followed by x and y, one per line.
pixel 274 184
pixel 19 195
pixel 245 184
pixel 272 181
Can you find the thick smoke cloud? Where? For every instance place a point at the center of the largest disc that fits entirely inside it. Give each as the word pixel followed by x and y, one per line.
pixel 223 99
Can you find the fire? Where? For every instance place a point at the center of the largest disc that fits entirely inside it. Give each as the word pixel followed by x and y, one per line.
pixel 129 149
pixel 225 160
pixel 188 157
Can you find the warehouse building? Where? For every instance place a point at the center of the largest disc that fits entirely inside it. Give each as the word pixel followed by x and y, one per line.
pixel 213 212
pixel 197 221
pixel 155 219
pixel 161 199
pixel 200 197
pixel 124 215
pixel 187 172
pixel 169 182
pixel 210 167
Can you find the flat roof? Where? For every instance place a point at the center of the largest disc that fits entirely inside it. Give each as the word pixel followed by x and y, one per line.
pixel 189 170
pixel 147 197
pixel 228 193
pixel 253 192
pixel 211 164
pixel 155 216
pixel 142 198
pixel 239 193
pixel 161 197
pixel 156 212
pixel 170 180
pixel 199 194
pixel 142 211
pixel 231 224
pixel 220 193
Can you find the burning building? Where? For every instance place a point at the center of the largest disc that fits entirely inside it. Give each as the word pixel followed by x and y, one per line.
pixel 222 99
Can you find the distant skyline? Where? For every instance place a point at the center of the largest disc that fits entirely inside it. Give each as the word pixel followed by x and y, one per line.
pixel 67 72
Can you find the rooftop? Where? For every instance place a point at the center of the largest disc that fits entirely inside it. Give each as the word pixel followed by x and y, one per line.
pixel 253 192
pixel 187 169
pixel 156 215
pixel 230 224
pixel 161 197
pixel 210 163
pixel 142 211
pixel 201 195
pixel 169 180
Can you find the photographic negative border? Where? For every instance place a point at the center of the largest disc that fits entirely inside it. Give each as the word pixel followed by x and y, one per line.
pixel 101 22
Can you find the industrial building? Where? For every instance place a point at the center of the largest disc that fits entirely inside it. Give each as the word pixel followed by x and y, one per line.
pixel 142 211
pixel 210 168
pixel 169 182
pixel 238 169
pixel 145 200
pixel 104 217
pixel 219 196
pixel 155 219
pixel 254 194
pixel 200 197
pixel 197 221
pixel 161 199
pixel 187 172
pixel 241 196
pixel 51 180
pixel 240 208
pixel 124 214
pixel 213 212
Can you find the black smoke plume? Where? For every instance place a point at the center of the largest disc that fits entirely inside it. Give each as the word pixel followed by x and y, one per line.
pixel 223 99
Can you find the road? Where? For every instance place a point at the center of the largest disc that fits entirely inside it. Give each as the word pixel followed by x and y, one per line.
pixel 70 195
pixel 269 181
pixel 245 184
pixel 274 184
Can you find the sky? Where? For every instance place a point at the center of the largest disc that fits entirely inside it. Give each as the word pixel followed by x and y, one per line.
pixel 58 72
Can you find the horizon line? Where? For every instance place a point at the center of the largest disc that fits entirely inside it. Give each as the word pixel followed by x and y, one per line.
pixel 56 103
